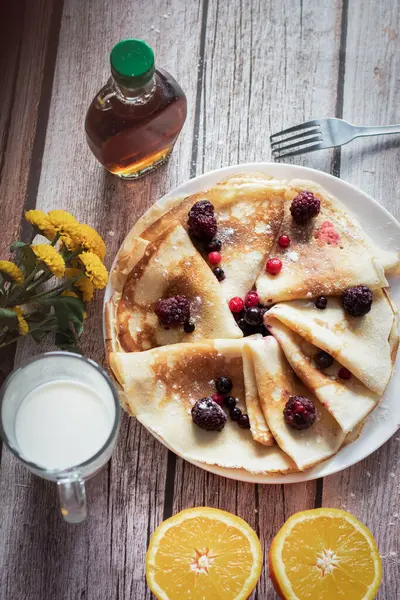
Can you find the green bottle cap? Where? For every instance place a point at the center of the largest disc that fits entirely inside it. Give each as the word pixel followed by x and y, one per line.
pixel 132 63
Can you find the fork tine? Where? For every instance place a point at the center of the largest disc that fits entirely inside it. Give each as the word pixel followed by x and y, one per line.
pixel 316 138
pixel 299 136
pixel 304 150
pixel 296 128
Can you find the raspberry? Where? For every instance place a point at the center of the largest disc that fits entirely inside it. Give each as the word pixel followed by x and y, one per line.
pixel 284 241
pixel 344 373
pixel 251 299
pixel 357 301
pixel 299 412
pixel 304 207
pixel 323 360
pixel 321 302
pixel 219 273
pixel 172 312
pixel 273 266
pixel 223 385
pixel 202 222
pixel 236 304
pixel 207 414
pixel 214 258
pixel 218 398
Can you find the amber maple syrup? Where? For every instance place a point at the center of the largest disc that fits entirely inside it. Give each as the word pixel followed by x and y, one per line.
pixel 133 122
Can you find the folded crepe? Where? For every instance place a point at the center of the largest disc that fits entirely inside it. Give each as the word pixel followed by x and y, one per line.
pixel 366 345
pixel 276 383
pixel 160 386
pixel 258 425
pixel 248 209
pixel 326 256
pixel 169 266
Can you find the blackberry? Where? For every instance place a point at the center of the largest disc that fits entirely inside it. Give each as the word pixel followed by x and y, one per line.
pixel 357 301
pixel 172 312
pixel 304 207
pixel 207 414
pixel 202 222
pixel 323 360
pixel 299 412
pixel 219 273
pixel 223 385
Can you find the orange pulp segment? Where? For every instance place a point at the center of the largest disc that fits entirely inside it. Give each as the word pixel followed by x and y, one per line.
pixel 203 554
pixel 325 554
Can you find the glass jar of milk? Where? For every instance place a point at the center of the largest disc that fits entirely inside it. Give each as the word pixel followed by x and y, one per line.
pixel 60 417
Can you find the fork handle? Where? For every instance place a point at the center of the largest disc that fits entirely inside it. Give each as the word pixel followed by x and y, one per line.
pixel 367 131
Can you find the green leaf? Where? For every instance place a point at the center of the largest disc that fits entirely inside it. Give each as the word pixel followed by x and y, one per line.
pixel 28 259
pixel 66 342
pixel 8 318
pixel 17 245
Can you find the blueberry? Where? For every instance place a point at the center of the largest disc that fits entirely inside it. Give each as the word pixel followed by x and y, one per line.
pixel 223 385
pixel 244 422
pixel 230 402
pixel 252 316
pixel 189 326
pixel 214 246
pixel 235 413
pixel 321 302
pixel 219 273
pixel 323 359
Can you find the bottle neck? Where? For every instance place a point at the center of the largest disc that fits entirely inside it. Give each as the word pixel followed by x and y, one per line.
pixel 135 96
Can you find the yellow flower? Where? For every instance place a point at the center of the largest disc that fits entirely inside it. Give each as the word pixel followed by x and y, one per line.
pixel 92 241
pixel 39 220
pixel 83 284
pixel 23 327
pixel 67 226
pixel 50 257
pixel 94 269
pixel 11 272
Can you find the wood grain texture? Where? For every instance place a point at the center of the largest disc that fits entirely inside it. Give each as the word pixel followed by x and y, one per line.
pixel 371 96
pixel 249 68
pixel 277 67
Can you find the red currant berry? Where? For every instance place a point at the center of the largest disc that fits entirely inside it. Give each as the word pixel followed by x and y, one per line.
pixel 284 241
pixel 344 373
pixel 218 398
pixel 251 299
pixel 273 266
pixel 236 304
pixel 214 258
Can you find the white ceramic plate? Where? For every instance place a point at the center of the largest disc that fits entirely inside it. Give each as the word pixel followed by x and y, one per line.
pixel 385 231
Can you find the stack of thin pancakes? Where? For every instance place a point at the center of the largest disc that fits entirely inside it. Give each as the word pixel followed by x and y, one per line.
pixel 162 373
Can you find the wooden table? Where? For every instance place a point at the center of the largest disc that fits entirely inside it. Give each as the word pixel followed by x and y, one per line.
pixel 249 68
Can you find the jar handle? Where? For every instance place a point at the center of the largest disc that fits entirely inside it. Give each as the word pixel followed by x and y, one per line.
pixel 72 495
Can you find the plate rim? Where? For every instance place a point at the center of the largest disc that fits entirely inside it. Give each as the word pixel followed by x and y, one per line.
pixel 322 470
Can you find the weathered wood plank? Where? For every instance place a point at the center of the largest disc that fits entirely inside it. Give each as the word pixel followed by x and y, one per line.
pixel 372 97
pixel 277 66
pixel 29 40
pixel 103 558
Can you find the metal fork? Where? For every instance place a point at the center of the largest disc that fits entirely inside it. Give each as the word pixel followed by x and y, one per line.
pixel 319 134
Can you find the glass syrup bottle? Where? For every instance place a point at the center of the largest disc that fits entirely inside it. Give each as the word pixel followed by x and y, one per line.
pixel 133 122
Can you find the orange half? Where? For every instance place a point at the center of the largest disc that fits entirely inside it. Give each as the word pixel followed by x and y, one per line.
pixel 325 554
pixel 203 554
